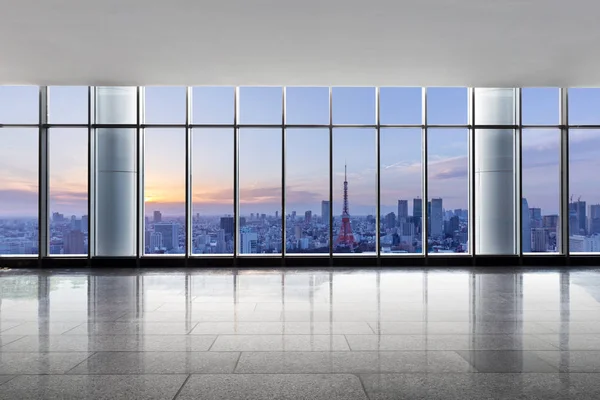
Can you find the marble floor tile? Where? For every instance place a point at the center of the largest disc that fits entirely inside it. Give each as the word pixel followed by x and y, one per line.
pixel 277 386
pixel 157 363
pixel 132 387
pixel 351 362
pixel 40 363
pixel 67 343
pixel 280 343
pixel 507 361
pixel 281 328
pixel 545 386
pixel 133 328
pixel 447 342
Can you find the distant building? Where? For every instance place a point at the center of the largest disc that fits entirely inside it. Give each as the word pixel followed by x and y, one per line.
pixel 325 211
pixel 535 213
pixel 390 221
pixel 85 224
pixel 307 217
pixel 402 210
pixel 169 235
pixel 539 239
pixel 157 217
pixel 418 213
pixel 594 219
pixel 525 226
pixel 74 243
pixel 249 243
pixel 436 217
pixel 452 225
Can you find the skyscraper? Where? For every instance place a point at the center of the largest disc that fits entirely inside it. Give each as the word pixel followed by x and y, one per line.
pixel 418 213
pixel 525 227
pixel 437 218
pixel 249 243
pixel 539 239
pixel 307 217
pixel 74 243
pixel 536 217
pixel 157 217
pixel 402 210
pixel 594 219
pixel 325 211
pixel 169 235
pixel 227 225
pixel 390 220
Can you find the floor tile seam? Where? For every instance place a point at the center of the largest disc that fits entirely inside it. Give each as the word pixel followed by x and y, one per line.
pixel 237 362
pixel 189 332
pixel 78 364
pixel 558 348
pixel 182 386
pixel 13 377
pixel 348 343
pixel 75 327
pixel 119 317
pixel 213 343
pixel 19 323
pixel 12 341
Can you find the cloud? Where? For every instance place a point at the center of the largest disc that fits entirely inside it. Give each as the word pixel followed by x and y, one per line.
pixel 448 168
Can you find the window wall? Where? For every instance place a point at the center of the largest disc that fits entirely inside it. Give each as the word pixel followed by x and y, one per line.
pixel 446 214
pixel 294 171
pixel 584 193
pixel 19 113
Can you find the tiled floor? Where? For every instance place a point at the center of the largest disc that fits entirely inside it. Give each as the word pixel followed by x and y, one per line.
pixel 300 334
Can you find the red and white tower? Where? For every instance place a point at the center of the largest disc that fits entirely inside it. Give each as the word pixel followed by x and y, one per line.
pixel 345 237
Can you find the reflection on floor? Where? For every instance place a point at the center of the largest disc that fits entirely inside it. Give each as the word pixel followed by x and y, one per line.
pixel 310 334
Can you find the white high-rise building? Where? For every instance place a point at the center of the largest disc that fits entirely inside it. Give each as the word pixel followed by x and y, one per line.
pixel 249 243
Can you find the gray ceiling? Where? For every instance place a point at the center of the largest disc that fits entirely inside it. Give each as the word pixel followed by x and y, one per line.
pixel 301 42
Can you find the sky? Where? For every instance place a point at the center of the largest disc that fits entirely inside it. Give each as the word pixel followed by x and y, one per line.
pixel 306 149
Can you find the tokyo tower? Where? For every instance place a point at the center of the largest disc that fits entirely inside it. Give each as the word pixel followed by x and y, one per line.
pixel 345 238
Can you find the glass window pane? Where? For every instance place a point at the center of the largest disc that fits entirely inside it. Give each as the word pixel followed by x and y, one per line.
pixel 447 106
pixel 401 188
pixel 354 162
pixel 260 191
pixel 68 190
pixel 261 105
pixel 584 196
pixel 583 106
pixel 19 104
pixel 541 190
pixel 213 105
pixel 448 190
pixel 540 106
pixel 19 191
pixel 307 190
pixel 400 105
pixel 164 105
pixel 164 191
pixel 212 191
pixel 307 105
pixel 353 105
pixel 68 105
